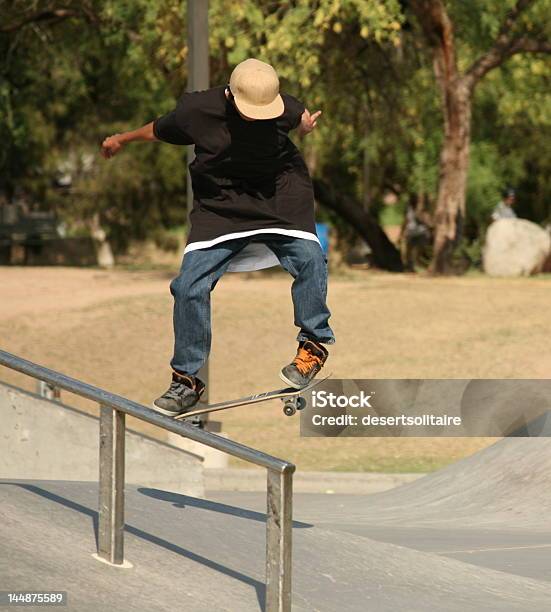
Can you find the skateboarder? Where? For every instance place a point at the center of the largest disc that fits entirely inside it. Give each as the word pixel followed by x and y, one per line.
pixel 253 208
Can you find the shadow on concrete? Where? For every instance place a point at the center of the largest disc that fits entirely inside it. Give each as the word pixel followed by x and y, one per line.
pixel 181 501
pixel 259 587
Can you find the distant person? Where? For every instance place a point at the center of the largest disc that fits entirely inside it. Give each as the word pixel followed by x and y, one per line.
pixel 253 207
pixel 504 208
pixel 417 235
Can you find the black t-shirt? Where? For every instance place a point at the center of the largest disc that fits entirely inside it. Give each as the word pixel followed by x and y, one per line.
pixel 248 177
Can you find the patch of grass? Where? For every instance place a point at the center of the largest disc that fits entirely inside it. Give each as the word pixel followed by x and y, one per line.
pixel 145 266
pixel 391 215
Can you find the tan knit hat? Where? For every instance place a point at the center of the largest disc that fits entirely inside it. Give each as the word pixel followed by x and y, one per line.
pixel 255 88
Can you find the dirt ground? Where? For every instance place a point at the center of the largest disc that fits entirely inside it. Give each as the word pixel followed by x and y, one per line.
pixel 114 329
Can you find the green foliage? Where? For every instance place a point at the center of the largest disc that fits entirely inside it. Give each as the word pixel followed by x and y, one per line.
pixel 486 180
pixel 392 215
pixel 65 84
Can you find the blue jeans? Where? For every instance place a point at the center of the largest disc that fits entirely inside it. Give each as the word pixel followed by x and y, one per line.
pixel 202 269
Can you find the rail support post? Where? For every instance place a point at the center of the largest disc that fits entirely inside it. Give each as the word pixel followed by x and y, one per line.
pixel 111 486
pixel 48 390
pixel 279 525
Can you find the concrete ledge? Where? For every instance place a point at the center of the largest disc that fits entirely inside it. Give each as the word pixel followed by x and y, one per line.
pixel 44 439
pixel 236 479
pixel 212 458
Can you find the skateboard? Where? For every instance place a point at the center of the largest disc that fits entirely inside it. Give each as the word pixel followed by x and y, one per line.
pixel 291 398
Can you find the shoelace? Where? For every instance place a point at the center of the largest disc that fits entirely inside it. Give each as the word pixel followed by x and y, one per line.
pixel 175 390
pixel 305 360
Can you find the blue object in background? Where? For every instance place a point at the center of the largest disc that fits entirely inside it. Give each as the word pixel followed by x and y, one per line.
pixel 322 230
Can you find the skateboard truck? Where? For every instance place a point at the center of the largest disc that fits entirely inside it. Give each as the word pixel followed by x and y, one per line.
pixel 291 405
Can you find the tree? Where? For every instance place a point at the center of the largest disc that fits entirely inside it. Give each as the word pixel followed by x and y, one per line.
pixel 72 72
pixel 457 88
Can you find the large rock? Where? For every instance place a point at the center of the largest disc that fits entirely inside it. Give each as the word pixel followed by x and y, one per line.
pixel 515 247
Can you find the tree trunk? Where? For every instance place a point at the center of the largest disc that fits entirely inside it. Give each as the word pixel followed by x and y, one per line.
pixel 385 255
pixel 456 94
pixel 366 167
pixel 449 213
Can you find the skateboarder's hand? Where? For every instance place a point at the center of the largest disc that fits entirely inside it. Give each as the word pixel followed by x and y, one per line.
pixel 308 122
pixel 111 146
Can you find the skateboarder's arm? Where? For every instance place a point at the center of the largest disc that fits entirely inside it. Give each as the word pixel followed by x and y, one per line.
pixel 113 144
pixel 307 122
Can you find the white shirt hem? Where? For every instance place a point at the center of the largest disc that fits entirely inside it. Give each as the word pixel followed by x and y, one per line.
pixel 255 256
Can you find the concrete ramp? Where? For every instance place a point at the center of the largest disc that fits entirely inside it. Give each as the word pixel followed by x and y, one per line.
pixel 507 485
pixel 205 555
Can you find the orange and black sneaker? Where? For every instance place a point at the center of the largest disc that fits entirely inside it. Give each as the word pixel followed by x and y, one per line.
pixel 184 392
pixel 308 362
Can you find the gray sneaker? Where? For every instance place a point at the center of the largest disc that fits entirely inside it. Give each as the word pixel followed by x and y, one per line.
pixel 308 362
pixel 184 392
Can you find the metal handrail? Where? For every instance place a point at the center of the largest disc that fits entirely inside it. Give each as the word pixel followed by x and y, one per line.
pixel 113 409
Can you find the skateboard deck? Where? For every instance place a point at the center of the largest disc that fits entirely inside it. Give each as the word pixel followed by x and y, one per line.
pixel 291 397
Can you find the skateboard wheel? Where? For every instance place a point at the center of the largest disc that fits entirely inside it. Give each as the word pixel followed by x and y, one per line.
pixel 289 410
pixel 301 403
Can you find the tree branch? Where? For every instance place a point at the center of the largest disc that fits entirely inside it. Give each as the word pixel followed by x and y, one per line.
pixel 385 255
pixel 52 15
pixel 501 49
pixel 529 45
pixel 438 31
